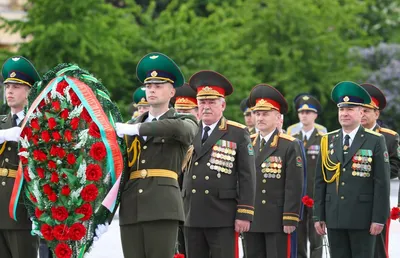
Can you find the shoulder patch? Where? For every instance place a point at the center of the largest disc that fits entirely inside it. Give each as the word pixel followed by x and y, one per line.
pixel 233 123
pixel 336 131
pixel 386 130
pixel 287 137
pixel 372 132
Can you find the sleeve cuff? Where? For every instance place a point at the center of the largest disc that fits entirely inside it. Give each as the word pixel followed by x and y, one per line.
pixel 245 212
pixel 290 219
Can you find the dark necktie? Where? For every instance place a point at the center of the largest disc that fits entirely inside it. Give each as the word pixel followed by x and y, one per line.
pixel 346 145
pixel 205 134
pixel 262 143
pixel 14 120
pixel 154 119
pixel 305 140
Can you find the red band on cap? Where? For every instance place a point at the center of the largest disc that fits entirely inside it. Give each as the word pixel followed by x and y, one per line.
pixel 267 104
pixel 211 90
pixel 375 102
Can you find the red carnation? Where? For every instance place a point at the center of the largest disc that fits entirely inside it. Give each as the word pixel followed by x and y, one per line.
pixel 27 131
pixel 61 153
pixel 85 209
pixel 54 177
pixel 52 197
pixel 395 213
pixel 35 124
pixel 47 189
pixel 38 212
pixel 93 172
pixel 89 193
pixel 40 172
pixel 307 201
pixel 39 155
pixel 85 115
pixel 56 136
pixel 60 232
pixel 35 139
pixel 26 174
pixel 52 123
pixel 63 250
pixel 52 164
pixel 53 151
pixel 179 256
pixel 71 159
pixel 74 98
pixel 94 130
pixel 75 123
pixel 23 160
pixel 98 151
pixel 64 114
pixel 41 104
pixel 45 136
pixel 61 86
pixel 47 232
pixel 59 213
pixel 65 190
pixel 33 198
pixel 77 231
pixel 56 105
pixel 67 135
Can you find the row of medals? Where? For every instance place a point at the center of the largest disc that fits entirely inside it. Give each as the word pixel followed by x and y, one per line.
pixel 361 163
pixel 272 168
pixel 222 160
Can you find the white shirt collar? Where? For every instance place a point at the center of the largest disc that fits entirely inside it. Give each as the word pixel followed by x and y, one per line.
pixel 150 117
pixel 372 128
pixel 212 127
pixel 267 137
pixel 21 116
pixel 308 134
pixel 352 134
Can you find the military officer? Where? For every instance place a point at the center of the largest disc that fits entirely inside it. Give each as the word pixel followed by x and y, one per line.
pixel 308 108
pixel 16 240
pixel 140 102
pixel 248 116
pixel 371 115
pixel 151 203
pixel 279 171
pixel 185 101
pixel 352 179
pixel 218 189
pixel 295 128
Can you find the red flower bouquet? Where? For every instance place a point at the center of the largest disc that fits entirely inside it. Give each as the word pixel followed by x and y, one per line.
pixel 307 201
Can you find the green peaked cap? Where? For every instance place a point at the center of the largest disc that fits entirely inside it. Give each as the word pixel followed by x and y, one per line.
pixel 139 97
pixel 348 93
pixel 18 69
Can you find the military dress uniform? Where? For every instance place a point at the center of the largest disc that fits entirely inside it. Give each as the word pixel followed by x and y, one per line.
pixel 139 99
pixel 306 230
pixel 244 106
pixel 151 203
pixel 219 187
pixel 279 170
pixel 352 182
pixel 295 128
pixel 392 143
pixel 16 240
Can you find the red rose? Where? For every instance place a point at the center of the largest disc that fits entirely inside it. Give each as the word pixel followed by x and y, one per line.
pixel 45 136
pixel 23 160
pixel 56 136
pixel 59 213
pixel 52 197
pixel 38 212
pixel 40 172
pixel 61 86
pixel 395 213
pixel 56 105
pixel 89 193
pixel 35 139
pixel 71 159
pixel 52 164
pixel 53 150
pixel 33 198
pixel 42 104
pixel 47 232
pixel 85 115
pixel 54 177
pixel 85 209
pixel 65 190
pixel 307 201
pixel 60 232
pixel 67 135
pixel 27 131
pixel 63 250
pixel 98 151
pixel 77 231
pixel 93 172
pixel 26 174
pixel 74 98
pixel 52 123
pixel 39 155
pixel 179 256
pixel 64 114
pixel 35 124
pixel 94 130
pixel 75 123
pixel 61 153
pixel 47 189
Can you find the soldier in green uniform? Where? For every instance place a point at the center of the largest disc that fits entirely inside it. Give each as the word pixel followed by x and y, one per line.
pixel 279 171
pixel 185 101
pixel 368 121
pixel 352 179
pixel 308 109
pixel 218 189
pixel 248 116
pixel 16 240
pixel 151 202
pixel 140 102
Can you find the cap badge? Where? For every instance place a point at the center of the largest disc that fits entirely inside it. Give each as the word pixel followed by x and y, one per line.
pixel 13 74
pixel 306 98
pixel 346 99
pixel 154 74
pixel 16 59
pixel 154 57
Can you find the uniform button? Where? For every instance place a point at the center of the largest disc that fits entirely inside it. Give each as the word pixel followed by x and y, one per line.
pixel 264 181
pixel 206 191
pixel 206 177
pixel 6 159
pixel 343 183
pixel 263 191
pixel 140 191
pixel 9 148
pixel 144 147
pixel 264 201
pixel 194 177
pixel 344 169
pixel 342 197
pixel 143 161
pixel 162 140
pixel 196 163
pixel 3 183
pixel 193 190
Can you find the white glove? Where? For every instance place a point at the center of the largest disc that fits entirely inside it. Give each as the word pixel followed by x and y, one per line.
pixel 126 129
pixel 11 134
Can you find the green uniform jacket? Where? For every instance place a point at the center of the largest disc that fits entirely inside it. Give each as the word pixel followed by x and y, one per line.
pixel 361 195
pixel 10 159
pixel 280 179
pixel 219 187
pixel 312 151
pixel 392 144
pixel 157 198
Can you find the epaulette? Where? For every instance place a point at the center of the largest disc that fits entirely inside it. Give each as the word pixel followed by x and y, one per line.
pixel 320 133
pixel 386 130
pixel 229 122
pixel 372 132
pixel 289 129
pixel 336 131
pixel 287 137
pixel 253 135
pixel 320 127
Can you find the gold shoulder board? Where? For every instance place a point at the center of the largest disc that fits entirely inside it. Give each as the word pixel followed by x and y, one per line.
pixel 372 132
pixel 386 130
pixel 336 131
pixel 229 122
pixel 287 137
